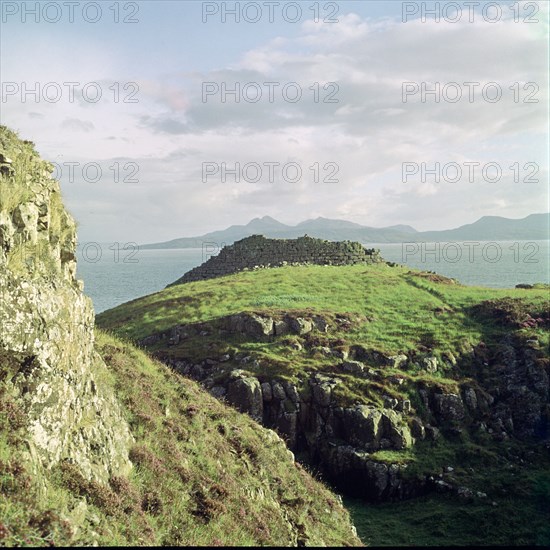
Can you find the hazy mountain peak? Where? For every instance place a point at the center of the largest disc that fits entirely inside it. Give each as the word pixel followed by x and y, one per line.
pixel 265 221
pixel 532 227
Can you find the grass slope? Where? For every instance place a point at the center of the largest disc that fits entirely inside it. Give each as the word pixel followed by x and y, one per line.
pixel 392 309
pixel 204 474
pixel 403 309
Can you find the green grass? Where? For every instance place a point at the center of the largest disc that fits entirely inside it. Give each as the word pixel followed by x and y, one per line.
pixel 445 521
pixel 392 309
pixel 520 517
pixel 203 474
pixel 515 478
pixel 403 310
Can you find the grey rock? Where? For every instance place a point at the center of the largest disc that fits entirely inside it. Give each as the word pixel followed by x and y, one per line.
pixel 249 324
pixel 321 324
pixel 353 367
pixel 322 390
pixel 470 399
pixel 390 402
pixel 278 391
pixel 218 391
pixel 429 364
pixel 246 395
pixel 398 361
pixel 449 406
pixel 291 391
pixel 465 493
pixel 299 325
pixel 340 354
pixel 267 392
pixel 404 406
pixel 197 372
pixel 281 327
pixel 397 431
pixel 417 428
pixel 432 433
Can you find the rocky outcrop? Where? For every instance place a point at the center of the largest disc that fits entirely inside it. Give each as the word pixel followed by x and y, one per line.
pixel 47 351
pixel 65 435
pixel 245 393
pixel 515 379
pixel 256 326
pixel 258 251
pixel 357 474
pixel 502 391
pixel 313 421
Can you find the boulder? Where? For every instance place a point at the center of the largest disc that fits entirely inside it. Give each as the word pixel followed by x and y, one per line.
pixel 432 433
pixel 291 391
pixel 470 399
pixel 429 363
pixel 340 354
pixel 390 402
pixel 249 324
pixel 396 430
pixel 299 325
pixel 321 324
pixel 364 427
pixel 417 428
pixel 353 367
pixel 258 326
pixel 246 394
pixel 278 391
pixel 449 407
pixel 281 327
pixel 322 388
pixel 218 391
pixel 398 361
pixel 404 406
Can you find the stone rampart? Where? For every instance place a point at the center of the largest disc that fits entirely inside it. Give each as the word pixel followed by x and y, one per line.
pixel 258 251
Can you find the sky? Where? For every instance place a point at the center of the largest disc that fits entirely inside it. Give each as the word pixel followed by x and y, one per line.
pixel 133 103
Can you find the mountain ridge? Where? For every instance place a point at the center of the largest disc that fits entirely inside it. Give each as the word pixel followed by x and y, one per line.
pixel 532 227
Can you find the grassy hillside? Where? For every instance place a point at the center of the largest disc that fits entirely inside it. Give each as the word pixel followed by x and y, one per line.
pixel 204 474
pixel 385 310
pixel 392 309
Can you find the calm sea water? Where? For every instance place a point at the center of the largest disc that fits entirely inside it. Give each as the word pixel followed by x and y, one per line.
pixel 114 273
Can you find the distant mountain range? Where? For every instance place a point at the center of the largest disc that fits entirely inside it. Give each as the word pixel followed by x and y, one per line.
pixel 487 228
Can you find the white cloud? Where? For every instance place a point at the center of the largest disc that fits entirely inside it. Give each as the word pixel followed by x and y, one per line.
pixel 368 133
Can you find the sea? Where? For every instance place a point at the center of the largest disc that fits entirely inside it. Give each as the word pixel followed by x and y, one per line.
pixel 115 273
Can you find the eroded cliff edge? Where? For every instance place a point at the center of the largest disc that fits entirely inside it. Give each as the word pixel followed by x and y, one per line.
pixel 47 325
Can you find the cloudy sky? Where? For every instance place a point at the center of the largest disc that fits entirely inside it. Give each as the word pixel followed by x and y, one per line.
pixel 133 103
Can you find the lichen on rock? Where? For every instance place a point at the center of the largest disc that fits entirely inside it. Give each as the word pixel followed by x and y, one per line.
pixel 47 325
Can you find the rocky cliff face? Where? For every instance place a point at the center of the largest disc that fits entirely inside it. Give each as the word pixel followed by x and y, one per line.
pixel 46 325
pixel 257 252
pixel 500 392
